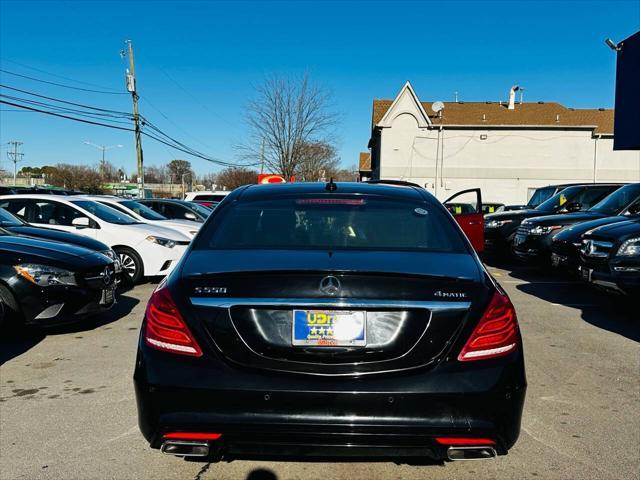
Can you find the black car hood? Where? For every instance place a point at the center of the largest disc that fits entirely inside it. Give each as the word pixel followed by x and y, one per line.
pixel 565 218
pixel 461 266
pixel 618 230
pixel 32 250
pixel 59 236
pixel 575 232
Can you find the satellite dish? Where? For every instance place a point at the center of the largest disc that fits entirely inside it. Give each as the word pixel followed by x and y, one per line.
pixel 437 107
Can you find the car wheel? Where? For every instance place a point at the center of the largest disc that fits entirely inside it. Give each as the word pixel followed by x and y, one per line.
pixel 131 263
pixel 10 310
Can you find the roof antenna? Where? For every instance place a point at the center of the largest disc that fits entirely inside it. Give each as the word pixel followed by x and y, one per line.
pixel 331 186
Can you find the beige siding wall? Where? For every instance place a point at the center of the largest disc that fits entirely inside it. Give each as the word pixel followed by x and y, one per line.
pixel 505 165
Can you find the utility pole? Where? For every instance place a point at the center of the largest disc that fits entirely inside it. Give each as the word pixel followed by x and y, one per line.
pixel 15 157
pixel 131 87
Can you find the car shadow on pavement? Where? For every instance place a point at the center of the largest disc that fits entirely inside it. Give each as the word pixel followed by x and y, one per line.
pixel 601 309
pixel 19 339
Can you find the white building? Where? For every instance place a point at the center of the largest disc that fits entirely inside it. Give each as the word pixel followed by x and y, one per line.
pixel 506 148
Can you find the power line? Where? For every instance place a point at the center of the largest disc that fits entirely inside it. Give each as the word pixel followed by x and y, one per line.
pixel 124 114
pixel 60 76
pixel 62 85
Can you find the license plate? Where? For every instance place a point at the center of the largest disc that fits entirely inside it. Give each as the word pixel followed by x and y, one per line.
pixel 557 260
pixel 326 328
pixel 107 296
pixel 585 273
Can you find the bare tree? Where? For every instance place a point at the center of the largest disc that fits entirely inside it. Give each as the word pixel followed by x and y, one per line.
pixel 318 161
pixel 287 115
pixel 234 177
pixel 78 177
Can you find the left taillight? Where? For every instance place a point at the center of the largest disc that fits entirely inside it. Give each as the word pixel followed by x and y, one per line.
pixel 165 329
pixel 496 334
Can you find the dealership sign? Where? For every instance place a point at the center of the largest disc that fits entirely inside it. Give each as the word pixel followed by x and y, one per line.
pixel 265 178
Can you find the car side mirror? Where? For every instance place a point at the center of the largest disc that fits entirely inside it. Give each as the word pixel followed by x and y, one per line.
pixel 190 216
pixel 634 209
pixel 80 222
pixel 573 207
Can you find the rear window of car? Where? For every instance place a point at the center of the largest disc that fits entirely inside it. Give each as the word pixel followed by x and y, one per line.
pixel 354 223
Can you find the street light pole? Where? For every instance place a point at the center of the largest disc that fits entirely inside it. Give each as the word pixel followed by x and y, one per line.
pixel 104 148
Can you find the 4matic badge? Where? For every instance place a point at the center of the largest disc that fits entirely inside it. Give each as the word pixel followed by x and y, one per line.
pixel 441 294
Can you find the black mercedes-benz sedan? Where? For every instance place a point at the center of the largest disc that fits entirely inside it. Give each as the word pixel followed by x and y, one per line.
pixel 52 283
pixel 330 320
pixel 17 226
pixel 533 239
pixel 500 228
pixel 610 257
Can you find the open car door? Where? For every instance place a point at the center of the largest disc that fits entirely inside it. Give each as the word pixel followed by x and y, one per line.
pixel 466 208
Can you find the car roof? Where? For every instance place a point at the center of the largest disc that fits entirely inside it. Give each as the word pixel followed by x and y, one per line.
pixel 259 192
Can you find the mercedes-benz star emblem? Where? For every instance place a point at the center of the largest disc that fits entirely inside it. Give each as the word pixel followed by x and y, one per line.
pixel 330 286
pixel 106 276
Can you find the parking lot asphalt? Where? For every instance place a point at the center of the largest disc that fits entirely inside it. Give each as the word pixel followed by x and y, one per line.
pixel 67 408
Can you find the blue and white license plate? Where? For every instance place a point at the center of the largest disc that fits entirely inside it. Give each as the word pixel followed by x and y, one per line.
pixel 327 328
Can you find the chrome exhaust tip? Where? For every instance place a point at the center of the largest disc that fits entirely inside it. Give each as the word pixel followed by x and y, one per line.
pixel 185 448
pixel 470 453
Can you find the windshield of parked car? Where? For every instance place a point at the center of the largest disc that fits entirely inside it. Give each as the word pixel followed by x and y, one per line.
pixel 540 195
pixel 108 214
pixel 559 199
pixel 9 220
pixel 618 200
pixel 352 223
pixel 142 210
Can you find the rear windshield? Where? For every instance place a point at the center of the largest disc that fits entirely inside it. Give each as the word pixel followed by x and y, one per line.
pixel 354 223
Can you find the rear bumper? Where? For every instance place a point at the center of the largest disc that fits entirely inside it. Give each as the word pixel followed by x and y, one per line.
pixel 301 416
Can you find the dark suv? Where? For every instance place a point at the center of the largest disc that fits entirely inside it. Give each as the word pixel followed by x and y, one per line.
pixel 296 326
pixel 500 228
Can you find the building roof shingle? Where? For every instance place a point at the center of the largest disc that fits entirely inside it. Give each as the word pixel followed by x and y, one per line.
pixel 524 114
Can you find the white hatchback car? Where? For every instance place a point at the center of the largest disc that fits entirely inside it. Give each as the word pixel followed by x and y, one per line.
pixel 144 214
pixel 144 249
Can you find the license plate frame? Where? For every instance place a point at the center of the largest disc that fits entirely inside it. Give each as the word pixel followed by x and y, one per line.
pixel 338 328
pixel 107 296
pixel 586 273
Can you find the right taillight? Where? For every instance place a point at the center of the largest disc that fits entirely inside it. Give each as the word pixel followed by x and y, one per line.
pixel 165 328
pixel 496 333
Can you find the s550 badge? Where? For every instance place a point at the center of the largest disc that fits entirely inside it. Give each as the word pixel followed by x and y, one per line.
pixel 209 290
pixel 441 294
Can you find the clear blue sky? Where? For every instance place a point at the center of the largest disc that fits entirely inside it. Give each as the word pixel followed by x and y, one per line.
pixel 197 62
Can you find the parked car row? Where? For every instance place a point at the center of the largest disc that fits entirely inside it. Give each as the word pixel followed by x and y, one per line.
pixel 61 257
pixel 591 230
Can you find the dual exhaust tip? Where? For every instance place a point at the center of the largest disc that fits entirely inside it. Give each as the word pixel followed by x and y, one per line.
pixel 185 448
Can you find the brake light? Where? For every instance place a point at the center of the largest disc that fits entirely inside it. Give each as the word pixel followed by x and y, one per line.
pixel 496 334
pixel 464 441
pixel 165 328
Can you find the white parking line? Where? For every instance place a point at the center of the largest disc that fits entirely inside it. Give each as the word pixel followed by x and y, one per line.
pixel 559 282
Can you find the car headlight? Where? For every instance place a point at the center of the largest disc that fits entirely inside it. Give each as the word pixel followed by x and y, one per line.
pixel 45 275
pixel 497 223
pixel 165 242
pixel 110 254
pixel 630 248
pixel 540 230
